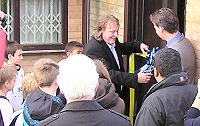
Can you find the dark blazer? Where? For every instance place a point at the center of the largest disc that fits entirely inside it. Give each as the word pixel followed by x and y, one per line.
pixel 85 113
pixel 100 50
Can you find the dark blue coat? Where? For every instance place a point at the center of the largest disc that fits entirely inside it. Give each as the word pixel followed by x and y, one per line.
pixel 86 113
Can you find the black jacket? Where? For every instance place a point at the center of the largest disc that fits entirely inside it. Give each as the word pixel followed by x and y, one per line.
pixel 85 113
pixel 166 102
pixel 192 118
pixel 100 50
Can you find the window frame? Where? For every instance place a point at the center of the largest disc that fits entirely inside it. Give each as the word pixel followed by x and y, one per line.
pixel 50 46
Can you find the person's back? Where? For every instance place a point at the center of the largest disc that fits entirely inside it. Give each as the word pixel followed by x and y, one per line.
pixel 166 25
pixel 167 101
pixel 186 50
pixel 170 104
pixel 42 101
pixel 91 114
pixel 78 81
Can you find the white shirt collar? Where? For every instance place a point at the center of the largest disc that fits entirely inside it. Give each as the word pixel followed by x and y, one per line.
pixel 110 46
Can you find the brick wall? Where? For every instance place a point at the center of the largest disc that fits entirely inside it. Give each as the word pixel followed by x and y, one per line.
pixel 193 29
pixel 29 60
pixel 99 8
pixel 75 20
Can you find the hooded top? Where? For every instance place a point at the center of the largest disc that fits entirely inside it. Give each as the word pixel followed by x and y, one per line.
pixel 106 96
pixel 40 105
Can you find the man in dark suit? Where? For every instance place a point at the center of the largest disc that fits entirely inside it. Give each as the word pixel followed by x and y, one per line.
pixel 105 46
pixel 78 79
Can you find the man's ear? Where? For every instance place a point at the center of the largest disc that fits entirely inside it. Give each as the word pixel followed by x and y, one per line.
pixel 10 56
pixel 6 84
pixel 156 73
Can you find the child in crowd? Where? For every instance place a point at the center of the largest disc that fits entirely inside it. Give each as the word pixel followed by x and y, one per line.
pixel 13 56
pixel 8 75
pixel 72 48
pixel 29 84
pixel 42 102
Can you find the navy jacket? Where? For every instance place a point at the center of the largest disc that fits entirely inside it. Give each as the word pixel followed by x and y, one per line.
pixel 167 102
pixel 86 113
pixel 192 118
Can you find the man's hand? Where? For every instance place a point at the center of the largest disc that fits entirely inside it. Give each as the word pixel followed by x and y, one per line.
pixel 144 47
pixel 144 77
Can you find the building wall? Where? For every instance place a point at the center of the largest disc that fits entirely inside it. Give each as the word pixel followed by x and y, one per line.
pixel 74 33
pixel 100 8
pixel 75 20
pixel 30 59
pixel 193 29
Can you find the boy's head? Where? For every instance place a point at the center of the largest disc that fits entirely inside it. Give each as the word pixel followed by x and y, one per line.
pixel 8 75
pixel 29 84
pixel 45 72
pixel 73 47
pixel 13 53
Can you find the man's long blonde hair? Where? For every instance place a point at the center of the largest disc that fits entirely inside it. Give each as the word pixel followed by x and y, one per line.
pixel 101 25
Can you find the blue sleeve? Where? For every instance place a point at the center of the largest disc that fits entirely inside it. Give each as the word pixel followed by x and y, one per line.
pixel 192 117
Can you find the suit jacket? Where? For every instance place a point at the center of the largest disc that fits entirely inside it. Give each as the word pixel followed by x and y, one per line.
pixel 85 113
pixel 186 50
pixel 99 50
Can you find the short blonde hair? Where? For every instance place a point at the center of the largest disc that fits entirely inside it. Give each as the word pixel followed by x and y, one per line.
pixel 7 73
pixel 29 84
pixel 45 71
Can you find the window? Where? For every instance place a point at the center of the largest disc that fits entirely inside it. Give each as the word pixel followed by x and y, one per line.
pixel 36 24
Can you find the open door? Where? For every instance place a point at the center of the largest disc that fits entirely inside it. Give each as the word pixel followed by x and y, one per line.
pixel 139 27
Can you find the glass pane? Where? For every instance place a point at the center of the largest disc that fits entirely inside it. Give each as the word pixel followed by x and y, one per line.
pixel 100 8
pixel 40 21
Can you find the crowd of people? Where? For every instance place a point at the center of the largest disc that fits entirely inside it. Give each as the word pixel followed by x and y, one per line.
pixel 89 86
